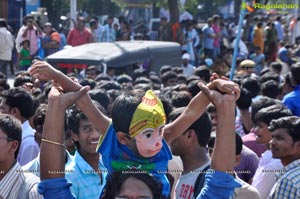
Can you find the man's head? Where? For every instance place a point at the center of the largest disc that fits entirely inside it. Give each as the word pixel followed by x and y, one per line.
pixel 139 123
pixel 185 59
pixel 38 122
pixel 263 119
pixel 169 78
pixel 197 135
pixel 295 69
pixel 163 21
pixel 285 142
pixel 110 20
pixel 238 147
pixel 83 131
pixel 80 23
pixel 3 23
pixel 17 102
pixel 29 22
pixel 10 138
pixel 48 28
pixel 247 66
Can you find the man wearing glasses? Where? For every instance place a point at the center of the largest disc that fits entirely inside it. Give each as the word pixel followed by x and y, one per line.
pixel 13 182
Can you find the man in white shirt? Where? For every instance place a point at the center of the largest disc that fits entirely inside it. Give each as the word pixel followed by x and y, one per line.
pixel 13 183
pixel 19 103
pixel 191 147
pixel 188 69
pixel 7 44
pixel 265 175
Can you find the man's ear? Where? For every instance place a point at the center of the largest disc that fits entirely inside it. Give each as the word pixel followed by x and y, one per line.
pixel 237 159
pixel 74 136
pixel 122 137
pixel 13 146
pixel 15 112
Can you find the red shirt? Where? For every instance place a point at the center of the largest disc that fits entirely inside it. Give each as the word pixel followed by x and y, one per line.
pixel 77 37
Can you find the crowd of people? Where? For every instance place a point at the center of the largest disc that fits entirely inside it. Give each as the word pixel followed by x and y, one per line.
pixel 183 132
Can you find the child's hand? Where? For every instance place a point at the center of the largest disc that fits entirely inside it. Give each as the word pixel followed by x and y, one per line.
pixel 43 71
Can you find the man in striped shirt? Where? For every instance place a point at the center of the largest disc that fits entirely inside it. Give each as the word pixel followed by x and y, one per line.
pixel 285 145
pixel 13 182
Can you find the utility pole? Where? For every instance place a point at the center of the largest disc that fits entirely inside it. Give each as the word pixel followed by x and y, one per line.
pixel 73 10
pixel 295 16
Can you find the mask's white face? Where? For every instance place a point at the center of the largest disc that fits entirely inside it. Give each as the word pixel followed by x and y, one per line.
pixel 149 141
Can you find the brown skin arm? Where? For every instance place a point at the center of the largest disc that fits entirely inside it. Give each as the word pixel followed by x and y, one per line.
pixel 45 72
pixel 52 155
pixel 224 152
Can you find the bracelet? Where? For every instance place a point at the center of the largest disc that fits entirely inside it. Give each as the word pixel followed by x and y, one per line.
pixel 52 142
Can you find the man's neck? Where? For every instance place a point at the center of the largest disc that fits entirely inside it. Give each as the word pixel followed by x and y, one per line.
pixel 287 161
pixel 5 167
pixel 194 159
pixel 91 159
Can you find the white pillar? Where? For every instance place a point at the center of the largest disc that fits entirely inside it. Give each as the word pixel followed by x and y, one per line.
pixel 73 10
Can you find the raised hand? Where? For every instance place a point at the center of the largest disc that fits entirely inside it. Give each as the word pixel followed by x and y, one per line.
pixel 65 99
pixel 43 71
pixel 217 98
pixel 223 85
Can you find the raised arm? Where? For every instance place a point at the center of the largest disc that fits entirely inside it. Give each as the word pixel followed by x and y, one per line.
pixel 44 71
pixel 52 147
pixel 220 182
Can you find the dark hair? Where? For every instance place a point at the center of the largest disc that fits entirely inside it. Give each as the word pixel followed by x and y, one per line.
pixel 92 68
pixel 193 87
pixel 20 80
pixel 252 85
pixel 263 102
pixel 3 23
pixel 92 22
pixel 202 72
pixel 202 126
pixel 88 82
pixel 168 75
pixel 102 77
pixel 245 100
pixel 21 99
pixel 266 115
pixel 290 123
pixel 40 115
pixel 100 96
pixel 238 143
pixel 123 110
pixel 276 66
pixel 164 69
pixel 139 73
pixel 124 79
pixel 180 98
pixel 116 180
pixel 12 127
pixel 109 85
pixel 270 89
pixel 270 76
pixel 295 69
pixel 142 80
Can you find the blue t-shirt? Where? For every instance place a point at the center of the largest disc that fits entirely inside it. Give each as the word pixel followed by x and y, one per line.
pixel 208 42
pixel 292 101
pixel 118 157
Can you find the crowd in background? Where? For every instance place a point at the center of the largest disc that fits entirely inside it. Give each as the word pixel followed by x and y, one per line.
pixel 267 123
